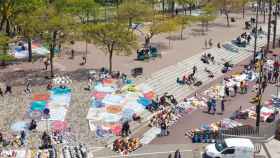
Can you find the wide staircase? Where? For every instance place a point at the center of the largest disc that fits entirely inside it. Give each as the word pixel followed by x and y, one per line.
pixel 165 80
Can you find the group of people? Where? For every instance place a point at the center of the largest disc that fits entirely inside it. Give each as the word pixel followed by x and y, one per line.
pixel 188 79
pixel 207 58
pixel 243 39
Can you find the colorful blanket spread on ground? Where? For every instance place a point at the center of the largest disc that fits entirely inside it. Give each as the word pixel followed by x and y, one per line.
pixel 111 105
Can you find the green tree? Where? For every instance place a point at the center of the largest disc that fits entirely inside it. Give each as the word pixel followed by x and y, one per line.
pixel 134 10
pixel 85 10
pixel 4 46
pixel 208 14
pixel 157 26
pixel 114 38
pixel 56 25
pixel 227 6
pixel 28 22
pixel 183 21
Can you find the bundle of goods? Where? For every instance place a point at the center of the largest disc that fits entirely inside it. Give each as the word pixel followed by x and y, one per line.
pixel 126 145
pixel 275 102
pixel 74 151
pixel 46 153
pixel 195 102
pixel 112 105
pixel 265 114
pixel 214 91
pixel 208 133
pixel 20 153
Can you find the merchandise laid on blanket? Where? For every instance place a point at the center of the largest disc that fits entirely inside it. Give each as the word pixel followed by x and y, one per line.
pixel 112 105
pixel 47 113
pixel 208 133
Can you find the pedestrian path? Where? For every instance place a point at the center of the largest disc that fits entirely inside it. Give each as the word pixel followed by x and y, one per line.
pixel 164 80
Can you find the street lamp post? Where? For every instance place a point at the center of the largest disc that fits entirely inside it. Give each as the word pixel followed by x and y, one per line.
pixel 256 31
pixel 259 95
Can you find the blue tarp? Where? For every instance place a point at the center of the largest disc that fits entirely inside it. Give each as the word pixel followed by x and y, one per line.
pixel 59 91
pixel 38 105
pixel 144 101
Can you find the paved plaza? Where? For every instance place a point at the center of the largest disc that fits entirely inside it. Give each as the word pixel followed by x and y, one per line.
pixel 159 74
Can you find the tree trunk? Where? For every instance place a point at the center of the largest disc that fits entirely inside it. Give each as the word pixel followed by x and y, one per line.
pixel 163 6
pixel 8 27
pixel 275 27
pixel 269 26
pixel 110 61
pixel 243 12
pixel 2 23
pixel 29 42
pixel 263 5
pixel 52 52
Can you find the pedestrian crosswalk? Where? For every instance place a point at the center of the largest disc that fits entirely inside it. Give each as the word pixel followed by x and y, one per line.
pixel 164 80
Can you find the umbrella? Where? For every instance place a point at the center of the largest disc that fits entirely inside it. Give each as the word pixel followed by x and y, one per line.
pixel 59 126
pixel 19 126
pixel 38 105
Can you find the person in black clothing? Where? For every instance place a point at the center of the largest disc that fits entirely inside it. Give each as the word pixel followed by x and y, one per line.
pixel 125 129
pixel 163 128
pixel 46 139
pixel 227 90
pixel 1 92
pixel 177 154
pixel 248 39
pixel 235 88
pixel 22 137
pixel 223 105
pixel 33 125
pixel 8 88
pixel 194 69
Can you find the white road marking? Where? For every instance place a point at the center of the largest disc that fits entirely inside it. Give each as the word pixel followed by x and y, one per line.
pixel 142 154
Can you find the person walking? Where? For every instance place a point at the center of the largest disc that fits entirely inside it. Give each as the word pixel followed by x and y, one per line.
pixel 46 63
pixel 214 103
pixel 209 105
pixel 269 76
pixel 210 42
pixel 194 69
pixel 227 90
pixel 275 76
pixel 163 128
pixel 8 88
pixel 126 129
pixel 223 105
pixel 235 89
pixel 205 44
pixel 177 154
pixel 1 92
pixel 28 87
